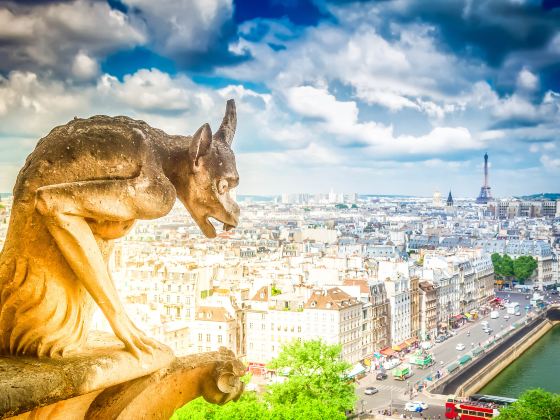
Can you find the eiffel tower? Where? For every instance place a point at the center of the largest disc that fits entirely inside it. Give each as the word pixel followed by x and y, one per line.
pixel 485 195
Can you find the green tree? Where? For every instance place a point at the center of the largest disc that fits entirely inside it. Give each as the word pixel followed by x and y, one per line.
pixel 275 291
pixel 497 263
pixel 524 266
pixel 304 408
pixel 507 266
pixel 316 374
pixel 249 406
pixel 535 404
pixel 315 389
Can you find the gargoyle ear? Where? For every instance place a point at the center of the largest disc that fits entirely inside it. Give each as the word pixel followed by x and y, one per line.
pixel 200 143
pixel 229 124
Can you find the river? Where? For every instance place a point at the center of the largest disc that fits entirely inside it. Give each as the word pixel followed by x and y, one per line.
pixel 538 367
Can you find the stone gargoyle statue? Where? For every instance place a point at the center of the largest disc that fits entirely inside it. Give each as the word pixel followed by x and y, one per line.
pixel 83 186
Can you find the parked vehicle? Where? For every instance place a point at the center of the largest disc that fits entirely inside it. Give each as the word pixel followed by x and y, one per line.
pixel 370 390
pixel 484 323
pixel 518 314
pixel 460 347
pixel 440 338
pixel 392 363
pixel 512 308
pixel 494 314
pixel 415 406
pixel 426 345
pixel 402 372
pixel 506 317
pixel 381 376
pixel 421 359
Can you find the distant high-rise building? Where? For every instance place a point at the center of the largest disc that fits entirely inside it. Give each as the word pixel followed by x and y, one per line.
pixel 437 199
pixel 485 195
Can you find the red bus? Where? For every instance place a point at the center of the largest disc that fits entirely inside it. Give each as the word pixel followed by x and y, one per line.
pixel 469 410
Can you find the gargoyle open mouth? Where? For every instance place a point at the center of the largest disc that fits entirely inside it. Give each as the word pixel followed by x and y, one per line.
pixel 228 227
pixel 209 228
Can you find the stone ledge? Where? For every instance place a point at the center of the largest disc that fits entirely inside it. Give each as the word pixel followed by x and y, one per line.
pixel 27 383
pixel 109 383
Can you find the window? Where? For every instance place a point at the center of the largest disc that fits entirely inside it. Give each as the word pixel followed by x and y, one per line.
pixel 199 337
pixel 208 337
pixel 299 328
pixel 219 338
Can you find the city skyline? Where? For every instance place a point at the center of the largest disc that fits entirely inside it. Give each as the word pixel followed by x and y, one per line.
pixel 394 97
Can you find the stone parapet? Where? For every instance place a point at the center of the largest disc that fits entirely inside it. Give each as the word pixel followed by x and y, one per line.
pixel 109 383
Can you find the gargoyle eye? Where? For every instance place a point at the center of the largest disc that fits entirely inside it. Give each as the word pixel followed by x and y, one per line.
pixel 223 186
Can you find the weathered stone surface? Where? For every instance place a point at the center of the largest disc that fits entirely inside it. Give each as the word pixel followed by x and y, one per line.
pixel 83 186
pixel 214 376
pixel 28 382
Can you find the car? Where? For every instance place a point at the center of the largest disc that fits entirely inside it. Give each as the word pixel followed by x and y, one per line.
pixel 381 376
pixel 488 330
pixel 415 406
pixel 440 338
pixel 460 347
pixel 506 316
pixel 484 323
pixel 370 390
pixel 518 313
pixel 426 345
pixel 391 363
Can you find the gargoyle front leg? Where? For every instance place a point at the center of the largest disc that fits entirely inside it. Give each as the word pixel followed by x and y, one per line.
pixel 65 208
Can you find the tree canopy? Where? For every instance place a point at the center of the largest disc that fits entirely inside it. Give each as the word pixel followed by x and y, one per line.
pixel 524 266
pixel 315 389
pixel 316 373
pixel 521 268
pixel 535 404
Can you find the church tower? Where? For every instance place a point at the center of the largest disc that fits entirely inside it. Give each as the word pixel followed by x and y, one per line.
pixel 449 202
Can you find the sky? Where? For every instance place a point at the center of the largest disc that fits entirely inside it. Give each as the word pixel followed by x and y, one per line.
pixel 374 97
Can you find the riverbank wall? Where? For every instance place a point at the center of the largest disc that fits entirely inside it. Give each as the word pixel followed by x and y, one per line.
pixel 482 370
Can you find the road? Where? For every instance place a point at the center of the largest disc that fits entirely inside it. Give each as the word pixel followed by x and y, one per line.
pixel 469 334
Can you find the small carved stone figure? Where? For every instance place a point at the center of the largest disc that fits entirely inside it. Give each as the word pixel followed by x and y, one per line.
pixel 83 186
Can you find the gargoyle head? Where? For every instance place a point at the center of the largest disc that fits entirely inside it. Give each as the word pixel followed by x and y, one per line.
pixel 212 175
